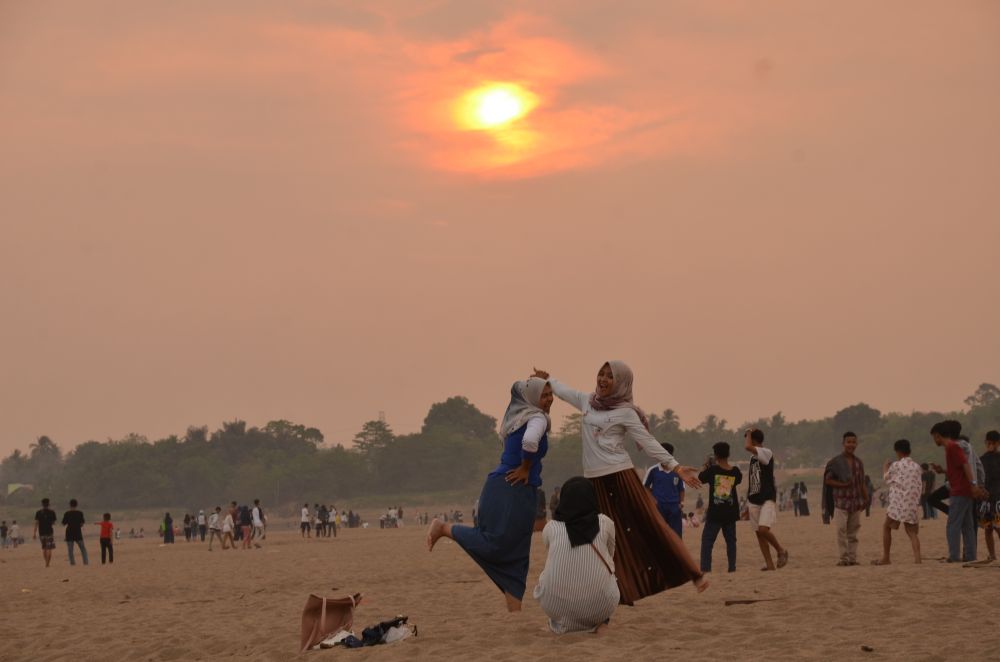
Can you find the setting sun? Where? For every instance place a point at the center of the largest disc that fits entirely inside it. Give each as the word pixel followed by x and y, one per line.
pixel 495 106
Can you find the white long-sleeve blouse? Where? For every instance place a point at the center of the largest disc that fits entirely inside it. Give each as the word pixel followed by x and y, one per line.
pixel 605 432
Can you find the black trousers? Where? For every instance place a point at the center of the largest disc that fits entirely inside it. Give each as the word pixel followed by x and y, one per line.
pixel 107 550
pixel 937 497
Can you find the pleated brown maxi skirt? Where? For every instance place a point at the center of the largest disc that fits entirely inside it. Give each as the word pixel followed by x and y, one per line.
pixel 649 556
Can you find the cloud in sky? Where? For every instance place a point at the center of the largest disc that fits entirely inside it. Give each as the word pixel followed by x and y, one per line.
pixel 220 209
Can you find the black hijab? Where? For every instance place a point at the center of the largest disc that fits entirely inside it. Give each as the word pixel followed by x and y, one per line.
pixel 578 509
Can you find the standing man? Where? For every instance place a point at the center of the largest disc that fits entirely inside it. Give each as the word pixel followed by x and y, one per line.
pixel 761 494
pixel 905 482
pixel 723 505
pixel 257 515
pixel 73 521
pixel 961 527
pixel 845 475
pixel 202 524
pixel 991 510
pixel 304 521
pixel 668 490
pixel 45 520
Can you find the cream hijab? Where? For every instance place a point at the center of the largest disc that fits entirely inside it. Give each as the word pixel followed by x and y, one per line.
pixel 524 404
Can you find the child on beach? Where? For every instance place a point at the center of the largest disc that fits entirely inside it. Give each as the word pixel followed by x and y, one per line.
pixel 107 548
pixel 14 535
pixel 905 481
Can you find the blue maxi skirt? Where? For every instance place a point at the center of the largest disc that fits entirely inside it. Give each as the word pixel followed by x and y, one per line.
pixel 501 542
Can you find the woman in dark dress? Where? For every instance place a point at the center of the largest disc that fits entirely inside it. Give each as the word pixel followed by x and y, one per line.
pixel 501 540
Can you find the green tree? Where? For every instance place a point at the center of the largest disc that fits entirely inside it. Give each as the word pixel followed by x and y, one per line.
pixel 984 396
pixel 859 418
pixel 373 437
pixel 457 414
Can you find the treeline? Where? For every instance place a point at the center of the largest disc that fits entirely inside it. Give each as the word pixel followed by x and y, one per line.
pixel 285 463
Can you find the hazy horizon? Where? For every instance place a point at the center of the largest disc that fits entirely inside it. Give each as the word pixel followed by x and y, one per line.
pixel 268 211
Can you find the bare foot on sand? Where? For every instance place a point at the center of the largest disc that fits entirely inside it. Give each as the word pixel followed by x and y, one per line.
pixel 701 584
pixel 434 533
pixel 601 629
pixel 513 604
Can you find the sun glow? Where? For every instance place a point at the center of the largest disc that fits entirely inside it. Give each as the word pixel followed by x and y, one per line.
pixel 495 106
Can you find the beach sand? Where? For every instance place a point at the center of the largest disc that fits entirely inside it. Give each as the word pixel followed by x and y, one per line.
pixel 180 602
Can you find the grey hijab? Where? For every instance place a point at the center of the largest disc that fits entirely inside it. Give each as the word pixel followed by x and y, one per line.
pixel 524 398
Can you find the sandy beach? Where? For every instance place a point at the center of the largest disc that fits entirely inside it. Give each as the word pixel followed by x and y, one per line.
pixel 181 602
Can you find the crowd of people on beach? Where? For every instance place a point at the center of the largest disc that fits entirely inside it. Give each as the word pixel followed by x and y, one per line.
pixel 614 539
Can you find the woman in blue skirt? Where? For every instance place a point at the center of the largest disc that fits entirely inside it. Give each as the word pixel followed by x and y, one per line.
pixel 501 540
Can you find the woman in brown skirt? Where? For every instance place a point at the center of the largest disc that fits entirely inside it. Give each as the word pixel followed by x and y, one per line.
pixel 649 557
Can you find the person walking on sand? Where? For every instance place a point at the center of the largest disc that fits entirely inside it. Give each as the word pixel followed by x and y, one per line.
pixel 649 556
pixel 723 507
pixel 215 528
pixel 845 475
pixel 45 520
pixel 905 482
pixel 73 520
pixel 107 546
pixel 501 542
pixel 228 526
pixel 761 495
pixel 202 525
pixel 577 590
pixel 257 519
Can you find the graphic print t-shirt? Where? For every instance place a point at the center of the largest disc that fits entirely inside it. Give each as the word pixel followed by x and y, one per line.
pixel 723 504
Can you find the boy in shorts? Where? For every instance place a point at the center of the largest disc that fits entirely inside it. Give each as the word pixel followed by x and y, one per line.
pixel 904 477
pixel 45 520
pixel 761 494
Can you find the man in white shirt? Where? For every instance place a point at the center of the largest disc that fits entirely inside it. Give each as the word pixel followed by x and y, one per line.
pixel 258 522
pixel 306 519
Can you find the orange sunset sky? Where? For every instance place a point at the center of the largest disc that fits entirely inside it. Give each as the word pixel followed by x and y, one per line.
pixel 262 210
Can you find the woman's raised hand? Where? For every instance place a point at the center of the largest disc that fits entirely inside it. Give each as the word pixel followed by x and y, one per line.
pixel 689 475
pixel 540 373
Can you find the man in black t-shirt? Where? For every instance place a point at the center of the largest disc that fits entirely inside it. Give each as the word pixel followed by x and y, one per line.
pixel 73 521
pixel 45 519
pixel 723 505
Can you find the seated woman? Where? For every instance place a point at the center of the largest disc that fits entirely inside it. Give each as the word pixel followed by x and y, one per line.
pixel 578 590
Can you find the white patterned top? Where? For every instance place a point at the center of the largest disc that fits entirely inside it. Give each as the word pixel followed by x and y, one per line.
pixel 904 478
